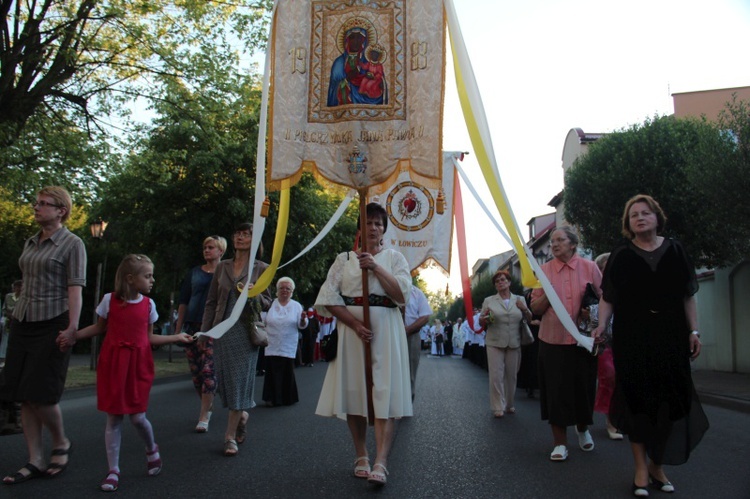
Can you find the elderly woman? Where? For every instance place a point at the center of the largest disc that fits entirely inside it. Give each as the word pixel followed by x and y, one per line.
pixel 501 317
pixel 235 355
pixel 567 373
pixel 344 392
pixel 53 264
pixel 283 321
pixel 649 286
pixel 200 354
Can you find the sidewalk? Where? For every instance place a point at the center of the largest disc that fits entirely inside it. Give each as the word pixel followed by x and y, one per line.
pixel 727 390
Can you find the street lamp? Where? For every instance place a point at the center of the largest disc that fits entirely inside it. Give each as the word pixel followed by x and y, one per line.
pixel 97 232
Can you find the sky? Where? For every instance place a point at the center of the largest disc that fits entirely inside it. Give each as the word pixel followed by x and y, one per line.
pixel 546 66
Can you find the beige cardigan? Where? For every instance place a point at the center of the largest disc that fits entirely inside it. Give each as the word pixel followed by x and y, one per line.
pixel 224 283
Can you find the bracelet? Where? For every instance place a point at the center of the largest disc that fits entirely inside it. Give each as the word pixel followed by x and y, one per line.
pixel 695 332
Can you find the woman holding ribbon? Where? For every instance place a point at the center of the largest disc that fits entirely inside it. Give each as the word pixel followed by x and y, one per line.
pixel 235 356
pixel 344 392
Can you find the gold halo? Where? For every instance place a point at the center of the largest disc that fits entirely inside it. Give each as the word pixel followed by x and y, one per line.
pixel 356 22
pixel 379 48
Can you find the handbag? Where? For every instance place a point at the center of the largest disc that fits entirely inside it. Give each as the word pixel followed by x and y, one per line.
pixel 526 337
pixel 258 334
pixel 329 344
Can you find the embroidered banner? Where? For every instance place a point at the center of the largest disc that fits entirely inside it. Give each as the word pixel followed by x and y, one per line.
pixel 357 91
pixel 416 226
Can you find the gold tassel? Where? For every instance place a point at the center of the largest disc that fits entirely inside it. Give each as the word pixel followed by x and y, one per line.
pixel 265 208
pixel 440 202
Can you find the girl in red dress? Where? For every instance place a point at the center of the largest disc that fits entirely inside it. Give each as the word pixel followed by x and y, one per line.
pixel 126 368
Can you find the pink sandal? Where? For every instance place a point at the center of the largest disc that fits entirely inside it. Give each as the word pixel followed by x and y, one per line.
pixel 110 484
pixel 153 466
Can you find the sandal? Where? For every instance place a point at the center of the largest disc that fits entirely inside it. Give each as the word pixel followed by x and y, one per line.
pixel 559 453
pixel 378 477
pixel 56 469
pixel 585 442
pixel 230 448
pixel 19 477
pixel 153 466
pixel 111 482
pixel 242 427
pixel 362 471
pixel 202 426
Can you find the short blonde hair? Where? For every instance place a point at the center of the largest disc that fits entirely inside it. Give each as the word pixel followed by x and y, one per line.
pixel 61 198
pixel 221 243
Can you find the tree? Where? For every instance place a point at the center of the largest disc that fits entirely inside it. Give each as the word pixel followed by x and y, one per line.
pixel 77 62
pixel 673 160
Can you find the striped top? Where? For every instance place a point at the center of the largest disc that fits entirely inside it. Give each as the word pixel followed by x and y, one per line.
pixel 569 280
pixel 48 269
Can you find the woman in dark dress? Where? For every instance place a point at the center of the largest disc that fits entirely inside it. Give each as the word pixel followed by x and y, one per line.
pixel 650 285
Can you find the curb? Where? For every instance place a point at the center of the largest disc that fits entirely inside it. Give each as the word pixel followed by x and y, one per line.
pixel 731 403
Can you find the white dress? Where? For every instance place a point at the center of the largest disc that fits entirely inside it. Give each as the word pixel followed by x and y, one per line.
pixel 344 389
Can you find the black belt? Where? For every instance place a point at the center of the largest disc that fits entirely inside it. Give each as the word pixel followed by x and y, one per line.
pixel 374 301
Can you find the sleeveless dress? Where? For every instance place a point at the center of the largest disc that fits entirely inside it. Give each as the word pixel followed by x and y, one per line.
pixel 126 367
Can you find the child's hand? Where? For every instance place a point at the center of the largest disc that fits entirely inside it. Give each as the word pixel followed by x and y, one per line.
pixel 184 338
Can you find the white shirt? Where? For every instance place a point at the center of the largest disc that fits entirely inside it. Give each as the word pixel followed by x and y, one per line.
pixel 282 322
pixel 417 306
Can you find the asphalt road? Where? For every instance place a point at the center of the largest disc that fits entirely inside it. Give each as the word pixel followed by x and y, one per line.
pixel 452 448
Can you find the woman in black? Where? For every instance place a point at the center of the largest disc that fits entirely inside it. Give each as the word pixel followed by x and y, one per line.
pixel 649 284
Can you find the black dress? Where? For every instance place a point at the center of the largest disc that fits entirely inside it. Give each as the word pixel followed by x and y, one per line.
pixel 654 401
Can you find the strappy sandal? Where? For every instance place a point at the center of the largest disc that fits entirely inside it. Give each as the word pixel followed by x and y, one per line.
pixel 362 471
pixel 110 483
pixel 242 428
pixel 153 467
pixel 230 448
pixel 56 469
pixel 202 426
pixel 19 477
pixel 378 477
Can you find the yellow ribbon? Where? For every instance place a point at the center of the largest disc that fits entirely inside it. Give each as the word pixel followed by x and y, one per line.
pixel 278 244
pixel 528 278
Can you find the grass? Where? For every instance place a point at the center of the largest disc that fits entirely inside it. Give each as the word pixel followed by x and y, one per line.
pixel 80 376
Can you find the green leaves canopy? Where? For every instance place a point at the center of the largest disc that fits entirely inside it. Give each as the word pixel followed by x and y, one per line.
pixel 682 164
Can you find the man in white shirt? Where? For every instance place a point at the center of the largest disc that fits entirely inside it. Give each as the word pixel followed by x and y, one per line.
pixel 416 315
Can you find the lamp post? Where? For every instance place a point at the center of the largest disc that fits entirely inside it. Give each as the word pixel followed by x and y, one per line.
pixel 97 232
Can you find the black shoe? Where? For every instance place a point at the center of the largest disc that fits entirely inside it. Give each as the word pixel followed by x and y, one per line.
pixel 639 491
pixel 659 485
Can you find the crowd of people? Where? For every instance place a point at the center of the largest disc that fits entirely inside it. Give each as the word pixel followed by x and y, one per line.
pixel 643 322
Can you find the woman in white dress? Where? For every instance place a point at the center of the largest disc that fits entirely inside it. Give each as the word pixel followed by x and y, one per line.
pixel 344 392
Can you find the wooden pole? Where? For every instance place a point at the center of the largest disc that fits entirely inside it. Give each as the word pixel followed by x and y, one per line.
pixel 366 303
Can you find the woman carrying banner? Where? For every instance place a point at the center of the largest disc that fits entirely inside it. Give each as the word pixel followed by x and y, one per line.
pixel 344 392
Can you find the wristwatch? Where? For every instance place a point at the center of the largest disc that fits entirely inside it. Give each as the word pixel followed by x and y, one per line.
pixel 695 332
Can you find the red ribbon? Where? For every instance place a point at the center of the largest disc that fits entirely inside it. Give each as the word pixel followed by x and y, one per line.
pixel 458 211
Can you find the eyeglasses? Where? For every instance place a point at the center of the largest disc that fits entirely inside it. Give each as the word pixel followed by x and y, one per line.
pixel 243 234
pixel 285 289
pixel 45 203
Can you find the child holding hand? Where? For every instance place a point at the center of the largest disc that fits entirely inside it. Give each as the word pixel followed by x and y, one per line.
pixel 125 371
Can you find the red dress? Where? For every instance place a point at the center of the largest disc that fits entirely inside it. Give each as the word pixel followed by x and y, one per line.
pixel 126 367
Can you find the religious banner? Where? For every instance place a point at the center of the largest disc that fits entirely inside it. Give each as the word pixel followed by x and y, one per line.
pixel 420 219
pixel 357 92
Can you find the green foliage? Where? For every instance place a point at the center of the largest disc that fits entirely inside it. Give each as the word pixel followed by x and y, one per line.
pixel 674 160
pixel 80 62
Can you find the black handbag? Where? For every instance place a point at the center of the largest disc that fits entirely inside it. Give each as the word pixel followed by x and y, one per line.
pixel 329 344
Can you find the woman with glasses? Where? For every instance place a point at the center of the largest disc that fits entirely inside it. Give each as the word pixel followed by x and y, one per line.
pixel 200 354
pixel 283 321
pixel 234 355
pixel 53 264
pixel 567 372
